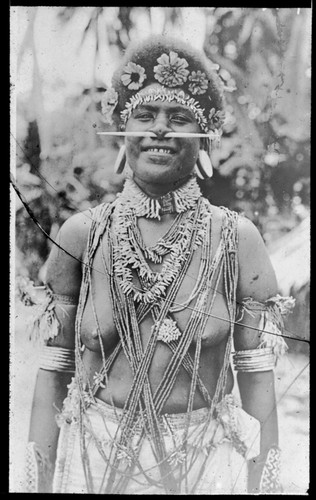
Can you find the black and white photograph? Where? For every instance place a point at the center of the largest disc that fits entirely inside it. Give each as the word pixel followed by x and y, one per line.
pixel 160 250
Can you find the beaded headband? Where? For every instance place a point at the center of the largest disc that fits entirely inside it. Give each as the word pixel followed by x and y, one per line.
pixel 166 69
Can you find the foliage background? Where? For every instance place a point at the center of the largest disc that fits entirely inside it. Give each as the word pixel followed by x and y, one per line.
pixel 61 63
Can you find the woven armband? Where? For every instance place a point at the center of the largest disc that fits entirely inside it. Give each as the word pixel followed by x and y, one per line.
pixel 254 360
pixel 38 470
pixel 43 323
pixel 68 300
pixel 270 315
pixel 57 359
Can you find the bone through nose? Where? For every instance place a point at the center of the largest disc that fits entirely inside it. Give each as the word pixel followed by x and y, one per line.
pixel 160 127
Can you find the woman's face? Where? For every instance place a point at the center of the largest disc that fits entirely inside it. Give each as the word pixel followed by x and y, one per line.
pixel 161 160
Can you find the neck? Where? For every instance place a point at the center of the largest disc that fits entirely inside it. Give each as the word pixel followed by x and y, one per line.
pixel 158 190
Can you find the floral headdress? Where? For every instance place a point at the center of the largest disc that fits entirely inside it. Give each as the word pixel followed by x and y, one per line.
pixel 175 72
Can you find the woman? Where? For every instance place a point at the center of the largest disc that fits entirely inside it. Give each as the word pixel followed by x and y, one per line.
pixel 145 298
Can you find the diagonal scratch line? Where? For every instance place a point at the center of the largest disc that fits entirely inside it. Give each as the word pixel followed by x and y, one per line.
pixel 76 208
pixel 33 217
pixel 45 180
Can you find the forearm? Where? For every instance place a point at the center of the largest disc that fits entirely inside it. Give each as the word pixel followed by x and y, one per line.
pixel 51 383
pixel 258 399
pixel 50 391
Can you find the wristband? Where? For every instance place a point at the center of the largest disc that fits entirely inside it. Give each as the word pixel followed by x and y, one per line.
pixel 38 470
pixel 264 474
pixel 270 477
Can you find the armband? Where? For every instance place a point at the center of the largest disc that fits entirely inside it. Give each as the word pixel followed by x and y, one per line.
pixel 271 325
pixel 57 359
pixel 38 470
pixel 43 323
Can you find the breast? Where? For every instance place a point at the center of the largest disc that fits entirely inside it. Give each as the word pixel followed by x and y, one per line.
pixel 217 325
pixel 105 324
pixel 98 312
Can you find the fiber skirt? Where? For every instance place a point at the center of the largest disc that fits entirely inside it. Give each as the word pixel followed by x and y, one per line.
pixel 213 460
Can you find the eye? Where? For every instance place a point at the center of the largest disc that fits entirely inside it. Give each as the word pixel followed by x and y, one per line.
pixel 143 116
pixel 180 118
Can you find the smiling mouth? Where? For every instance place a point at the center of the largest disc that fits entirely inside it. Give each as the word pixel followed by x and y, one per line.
pixel 159 151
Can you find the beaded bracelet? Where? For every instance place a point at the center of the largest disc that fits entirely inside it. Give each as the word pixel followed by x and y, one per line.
pixel 57 359
pixel 254 360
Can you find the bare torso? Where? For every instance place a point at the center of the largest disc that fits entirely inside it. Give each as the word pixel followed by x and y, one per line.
pixel 213 338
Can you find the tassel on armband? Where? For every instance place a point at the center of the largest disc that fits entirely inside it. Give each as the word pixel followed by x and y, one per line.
pixel 43 323
pixel 272 345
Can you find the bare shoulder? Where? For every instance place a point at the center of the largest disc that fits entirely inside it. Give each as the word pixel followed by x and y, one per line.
pixel 74 233
pixel 248 233
pixel 65 259
pixel 217 213
pixel 217 224
pixel 256 274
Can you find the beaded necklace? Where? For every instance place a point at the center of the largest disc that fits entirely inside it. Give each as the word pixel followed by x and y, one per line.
pixel 125 257
pixel 130 252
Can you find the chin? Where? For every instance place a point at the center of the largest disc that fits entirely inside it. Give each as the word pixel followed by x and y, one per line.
pixel 162 178
pixel 161 174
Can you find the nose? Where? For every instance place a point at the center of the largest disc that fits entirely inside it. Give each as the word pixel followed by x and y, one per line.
pixel 160 126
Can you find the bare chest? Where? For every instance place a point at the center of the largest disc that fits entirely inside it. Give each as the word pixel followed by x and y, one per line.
pixel 98 321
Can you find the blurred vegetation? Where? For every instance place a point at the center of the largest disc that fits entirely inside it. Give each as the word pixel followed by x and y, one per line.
pixel 262 164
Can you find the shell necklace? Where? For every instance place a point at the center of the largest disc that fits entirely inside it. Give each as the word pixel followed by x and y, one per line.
pixel 130 253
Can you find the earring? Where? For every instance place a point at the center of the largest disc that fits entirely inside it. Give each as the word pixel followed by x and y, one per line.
pixel 120 160
pixel 203 167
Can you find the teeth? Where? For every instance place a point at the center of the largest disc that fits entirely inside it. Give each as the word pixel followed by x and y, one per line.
pixel 159 150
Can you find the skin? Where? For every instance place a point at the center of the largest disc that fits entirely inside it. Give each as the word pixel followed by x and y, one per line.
pixel 156 174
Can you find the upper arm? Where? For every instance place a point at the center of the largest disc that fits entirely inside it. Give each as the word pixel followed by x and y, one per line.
pixel 256 275
pixel 64 274
pixel 256 280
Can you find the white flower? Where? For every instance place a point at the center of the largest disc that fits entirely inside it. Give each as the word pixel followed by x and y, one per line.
pixel 216 118
pixel 171 70
pixel 199 82
pixel 133 76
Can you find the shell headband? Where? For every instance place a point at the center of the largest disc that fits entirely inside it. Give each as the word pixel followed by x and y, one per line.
pixel 175 82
